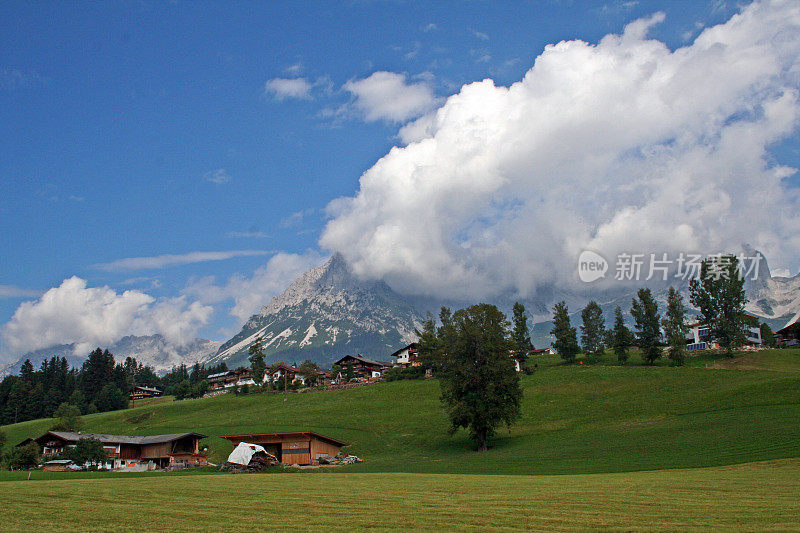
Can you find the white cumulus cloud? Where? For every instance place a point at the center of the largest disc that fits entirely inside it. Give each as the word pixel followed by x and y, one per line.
pixel 388 96
pixel 249 293
pixel 97 316
pixel 619 146
pixel 283 88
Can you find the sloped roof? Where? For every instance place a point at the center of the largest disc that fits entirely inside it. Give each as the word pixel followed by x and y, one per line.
pixel 105 438
pixel 364 360
pixel 249 437
pixel 412 345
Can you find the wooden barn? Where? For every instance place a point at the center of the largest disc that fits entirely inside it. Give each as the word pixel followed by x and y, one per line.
pixel 293 448
pixel 153 451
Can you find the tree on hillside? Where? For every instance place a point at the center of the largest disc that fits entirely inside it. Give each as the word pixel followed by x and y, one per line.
pixel 87 451
pixel 480 387
pixel 675 328
pixel 2 440
pixel 621 336
pixel 719 294
pixel 68 418
pixel 521 336
pixel 110 398
pixel 257 364
pixel 566 337
pixel 97 371
pixel 767 336
pixel 648 325
pixel 592 330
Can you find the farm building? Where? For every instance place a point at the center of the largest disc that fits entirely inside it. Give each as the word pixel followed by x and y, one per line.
pixel 542 351
pixel 57 465
pixel 407 356
pixel 294 448
pixel 130 452
pixel 362 367
pixel 139 393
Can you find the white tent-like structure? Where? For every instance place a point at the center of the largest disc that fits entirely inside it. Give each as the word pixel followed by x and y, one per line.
pixel 242 454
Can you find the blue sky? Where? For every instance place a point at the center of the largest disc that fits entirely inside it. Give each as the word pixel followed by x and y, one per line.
pixel 143 129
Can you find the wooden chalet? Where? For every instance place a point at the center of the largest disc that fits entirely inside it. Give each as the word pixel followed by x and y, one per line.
pixel 126 451
pixel 230 378
pixel 293 448
pixel 139 392
pixel 362 367
pixel 407 356
pixel 789 335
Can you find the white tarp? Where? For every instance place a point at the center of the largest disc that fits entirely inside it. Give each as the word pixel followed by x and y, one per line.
pixel 243 452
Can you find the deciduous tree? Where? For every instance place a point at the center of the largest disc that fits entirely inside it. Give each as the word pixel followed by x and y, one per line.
pixel 480 387
pixel 719 294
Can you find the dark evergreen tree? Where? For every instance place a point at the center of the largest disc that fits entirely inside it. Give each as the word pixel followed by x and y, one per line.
pixel 521 335
pixel 566 337
pixel 257 360
pixel 110 398
pixel 648 325
pixel 675 327
pixel 767 336
pixel 719 294
pixel 592 330
pixel 621 336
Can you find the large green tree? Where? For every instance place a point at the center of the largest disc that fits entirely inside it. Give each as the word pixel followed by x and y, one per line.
pixel 621 336
pixel 675 327
pixel 87 451
pixel 566 337
pixel 592 330
pixel 521 335
pixel 479 385
pixel 258 364
pixel 719 294
pixel 648 325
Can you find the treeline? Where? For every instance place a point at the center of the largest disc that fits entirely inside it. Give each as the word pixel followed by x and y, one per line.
pixel 718 293
pixel 101 384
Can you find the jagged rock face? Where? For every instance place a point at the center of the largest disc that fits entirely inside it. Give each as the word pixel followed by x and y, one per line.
pixel 325 314
pixel 152 350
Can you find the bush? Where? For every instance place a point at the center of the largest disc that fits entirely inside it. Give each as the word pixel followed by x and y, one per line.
pixel 24 457
pixel 397 373
pixel 69 418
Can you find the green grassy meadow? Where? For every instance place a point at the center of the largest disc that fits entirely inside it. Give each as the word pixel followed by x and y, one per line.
pixel 710 445
pixel 756 496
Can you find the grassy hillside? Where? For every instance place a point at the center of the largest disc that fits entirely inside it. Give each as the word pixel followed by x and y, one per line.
pixel 755 497
pixel 576 419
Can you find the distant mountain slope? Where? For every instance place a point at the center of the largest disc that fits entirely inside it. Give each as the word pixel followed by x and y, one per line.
pixel 152 350
pixel 325 314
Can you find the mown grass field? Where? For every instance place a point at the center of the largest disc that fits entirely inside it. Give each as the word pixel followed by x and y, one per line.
pixel 576 419
pixel 713 445
pixel 756 497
